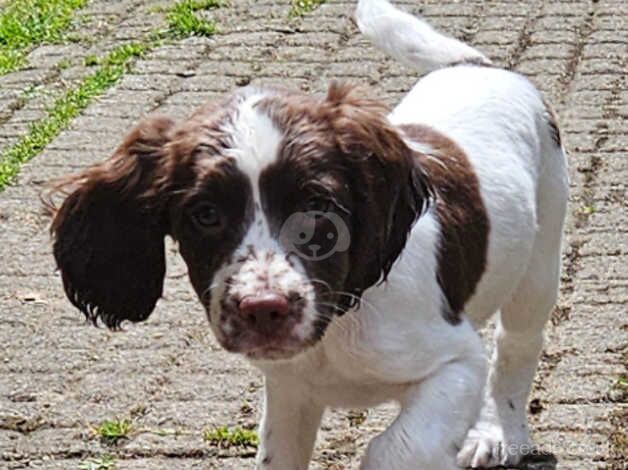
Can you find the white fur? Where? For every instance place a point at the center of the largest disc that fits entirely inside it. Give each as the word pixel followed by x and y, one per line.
pixel 409 39
pixel 398 346
pixel 497 117
pixel 255 140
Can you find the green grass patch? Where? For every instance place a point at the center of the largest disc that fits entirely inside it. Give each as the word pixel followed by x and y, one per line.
pixel 63 64
pixel 101 463
pixel 108 70
pixel 65 108
pixel 225 438
pixel 90 60
pixel 10 60
pixel 622 382
pixel 586 210
pixel 111 431
pixel 299 8
pixel 184 20
pixel 121 54
pixel 25 23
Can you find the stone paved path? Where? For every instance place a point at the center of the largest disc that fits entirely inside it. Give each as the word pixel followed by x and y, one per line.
pixel 58 378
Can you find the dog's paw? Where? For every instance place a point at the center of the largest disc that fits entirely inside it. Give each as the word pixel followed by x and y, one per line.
pixel 486 447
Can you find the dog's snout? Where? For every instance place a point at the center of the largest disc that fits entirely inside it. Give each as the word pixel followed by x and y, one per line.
pixel 264 308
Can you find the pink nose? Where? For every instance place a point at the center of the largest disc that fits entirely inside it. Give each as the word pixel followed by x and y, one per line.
pixel 264 307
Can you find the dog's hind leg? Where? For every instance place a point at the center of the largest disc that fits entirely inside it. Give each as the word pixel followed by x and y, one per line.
pixel 501 436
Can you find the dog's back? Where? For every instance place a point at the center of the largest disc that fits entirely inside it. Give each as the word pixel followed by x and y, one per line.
pixel 506 129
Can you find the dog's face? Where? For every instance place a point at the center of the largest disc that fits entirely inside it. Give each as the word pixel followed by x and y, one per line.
pixel 265 231
pixel 285 207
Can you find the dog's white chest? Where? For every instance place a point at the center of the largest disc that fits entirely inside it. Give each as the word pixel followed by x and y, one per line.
pixel 336 377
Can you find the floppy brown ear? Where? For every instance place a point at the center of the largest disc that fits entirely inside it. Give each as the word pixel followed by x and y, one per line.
pixel 109 232
pixel 390 188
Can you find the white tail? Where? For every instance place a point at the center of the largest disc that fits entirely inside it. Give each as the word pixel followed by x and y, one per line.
pixel 411 40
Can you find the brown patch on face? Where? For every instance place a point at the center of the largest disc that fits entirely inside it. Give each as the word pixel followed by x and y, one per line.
pixel 201 175
pixel 461 214
pixel 310 174
pixel 342 149
pixel 552 122
pixel 193 142
pixel 223 188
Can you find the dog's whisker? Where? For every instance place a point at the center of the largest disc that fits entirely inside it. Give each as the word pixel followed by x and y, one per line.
pixel 361 300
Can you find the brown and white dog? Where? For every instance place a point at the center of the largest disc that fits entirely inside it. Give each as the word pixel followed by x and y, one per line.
pixel 349 253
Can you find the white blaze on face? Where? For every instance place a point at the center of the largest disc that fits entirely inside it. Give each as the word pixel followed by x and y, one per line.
pixel 255 140
pixel 254 145
pixel 259 263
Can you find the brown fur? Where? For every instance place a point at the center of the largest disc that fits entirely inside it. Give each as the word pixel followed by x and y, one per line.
pixel 462 216
pixel 349 135
pixel 109 235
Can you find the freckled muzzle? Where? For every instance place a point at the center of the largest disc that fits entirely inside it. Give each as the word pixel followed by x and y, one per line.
pixel 266 308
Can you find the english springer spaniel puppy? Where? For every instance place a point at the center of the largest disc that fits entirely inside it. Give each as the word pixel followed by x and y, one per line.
pixel 348 252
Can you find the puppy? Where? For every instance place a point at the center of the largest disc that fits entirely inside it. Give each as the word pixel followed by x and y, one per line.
pixel 348 252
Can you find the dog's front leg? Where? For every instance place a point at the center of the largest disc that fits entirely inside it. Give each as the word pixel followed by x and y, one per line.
pixel 288 428
pixel 435 416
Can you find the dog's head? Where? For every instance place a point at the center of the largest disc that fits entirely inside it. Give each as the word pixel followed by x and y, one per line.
pixel 286 207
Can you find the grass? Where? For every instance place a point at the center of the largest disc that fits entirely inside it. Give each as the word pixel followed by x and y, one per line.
pixel 183 19
pixel 10 60
pixel 25 23
pixel 90 60
pixel 299 8
pixel 63 64
pixel 65 108
pixel 586 210
pixel 225 438
pixel 101 463
pixel 620 388
pixel 111 431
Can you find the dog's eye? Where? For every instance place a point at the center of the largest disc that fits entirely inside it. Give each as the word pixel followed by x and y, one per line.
pixel 319 205
pixel 206 215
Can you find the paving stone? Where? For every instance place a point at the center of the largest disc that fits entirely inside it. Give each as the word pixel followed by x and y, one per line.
pixel 169 372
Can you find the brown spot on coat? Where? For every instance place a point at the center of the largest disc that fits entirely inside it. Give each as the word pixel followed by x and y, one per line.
pixel 462 216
